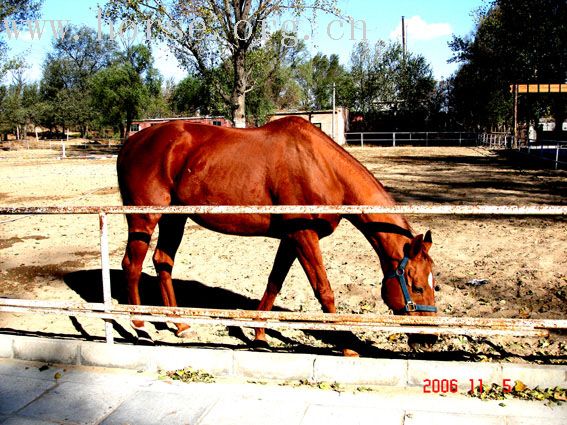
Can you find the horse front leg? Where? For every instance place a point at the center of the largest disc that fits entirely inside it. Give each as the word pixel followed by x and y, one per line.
pixel 285 257
pixel 311 260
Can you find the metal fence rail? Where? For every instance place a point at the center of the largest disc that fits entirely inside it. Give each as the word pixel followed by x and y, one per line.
pixel 293 320
pixel 546 150
pixel 313 321
pixel 298 209
pixel 495 140
pixel 411 138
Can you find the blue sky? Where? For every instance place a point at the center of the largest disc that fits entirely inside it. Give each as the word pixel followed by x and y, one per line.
pixel 430 25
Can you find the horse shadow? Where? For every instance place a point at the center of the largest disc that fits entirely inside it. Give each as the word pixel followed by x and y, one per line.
pixel 194 294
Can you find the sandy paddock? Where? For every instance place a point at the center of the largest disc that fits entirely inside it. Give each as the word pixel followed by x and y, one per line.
pixel 524 259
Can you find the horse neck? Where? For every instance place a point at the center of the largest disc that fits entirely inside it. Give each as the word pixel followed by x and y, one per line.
pixel 387 233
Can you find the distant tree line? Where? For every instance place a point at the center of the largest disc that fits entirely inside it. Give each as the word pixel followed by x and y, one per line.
pixel 89 85
pixel 515 41
pixel 96 86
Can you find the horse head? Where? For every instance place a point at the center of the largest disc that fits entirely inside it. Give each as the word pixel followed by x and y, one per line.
pixel 410 288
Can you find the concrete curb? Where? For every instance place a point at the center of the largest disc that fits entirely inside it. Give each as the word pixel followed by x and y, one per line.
pixel 244 364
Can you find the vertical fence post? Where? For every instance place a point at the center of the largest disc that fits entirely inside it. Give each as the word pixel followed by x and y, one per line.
pixel 394 140
pixel 361 140
pixel 63 155
pixel 426 138
pixel 460 139
pixel 557 157
pixel 105 265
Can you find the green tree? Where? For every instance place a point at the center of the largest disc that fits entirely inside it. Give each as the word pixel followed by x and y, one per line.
pixel 13 12
pixel 515 41
pixel 12 112
pixel 66 74
pixel 274 69
pixel 205 34
pixel 141 59
pixel 121 91
pixel 191 97
pixel 390 88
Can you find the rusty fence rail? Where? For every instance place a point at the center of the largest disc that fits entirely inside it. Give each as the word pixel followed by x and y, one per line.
pixel 298 209
pixel 109 311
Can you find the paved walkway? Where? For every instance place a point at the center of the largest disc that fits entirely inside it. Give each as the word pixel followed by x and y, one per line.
pixel 35 395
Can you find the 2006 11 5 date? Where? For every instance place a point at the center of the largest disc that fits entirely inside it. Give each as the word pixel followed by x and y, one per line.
pixel 452 385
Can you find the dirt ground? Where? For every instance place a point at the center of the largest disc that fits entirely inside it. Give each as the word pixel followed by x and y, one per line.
pixel 524 259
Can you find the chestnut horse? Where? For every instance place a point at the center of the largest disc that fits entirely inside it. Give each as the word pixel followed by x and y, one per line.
pixel 286 162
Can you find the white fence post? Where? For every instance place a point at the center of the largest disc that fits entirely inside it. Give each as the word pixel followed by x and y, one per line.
pixel 105 265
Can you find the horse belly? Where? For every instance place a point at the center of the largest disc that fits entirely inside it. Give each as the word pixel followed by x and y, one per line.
pixel 226 186
pixel 235 224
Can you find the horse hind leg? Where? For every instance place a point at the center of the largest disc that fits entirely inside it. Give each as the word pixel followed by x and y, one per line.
pixel 171 229
pixel 140 230
pixel 284 259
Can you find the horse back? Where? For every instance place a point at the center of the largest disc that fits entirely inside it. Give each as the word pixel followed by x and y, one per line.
pixel 284 162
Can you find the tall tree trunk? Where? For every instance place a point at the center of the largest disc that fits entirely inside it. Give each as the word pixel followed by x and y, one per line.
pixel 239 110
pixel 238 98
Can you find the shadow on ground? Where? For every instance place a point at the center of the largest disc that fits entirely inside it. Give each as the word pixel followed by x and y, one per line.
pixel 502 178
pixel 198 295
pixel 193 294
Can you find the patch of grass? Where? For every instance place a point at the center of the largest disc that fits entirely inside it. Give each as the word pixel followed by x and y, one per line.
pixel 188 375
pixel 326 386
pixel 520 391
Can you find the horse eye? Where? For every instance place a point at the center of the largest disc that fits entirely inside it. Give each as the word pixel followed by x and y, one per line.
pixel 417 289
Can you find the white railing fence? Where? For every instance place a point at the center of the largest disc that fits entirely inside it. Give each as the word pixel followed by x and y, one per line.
pixel 411 138
pixel 109 311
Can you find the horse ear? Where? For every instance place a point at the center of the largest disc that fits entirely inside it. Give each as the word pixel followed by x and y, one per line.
pixel 427 241
pixel 412 249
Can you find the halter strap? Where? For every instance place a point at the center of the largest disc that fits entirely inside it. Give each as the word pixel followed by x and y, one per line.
pixel 410 306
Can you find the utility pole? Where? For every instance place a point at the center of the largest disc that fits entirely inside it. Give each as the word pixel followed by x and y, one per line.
pixel 404 41
pixel 334 108
pixel 516 143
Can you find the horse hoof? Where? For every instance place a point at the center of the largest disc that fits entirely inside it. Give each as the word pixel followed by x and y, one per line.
pixel 347 352
pixel 261 345
pixel 186 334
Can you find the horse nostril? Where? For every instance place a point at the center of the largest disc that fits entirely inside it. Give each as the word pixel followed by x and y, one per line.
pixel 437 288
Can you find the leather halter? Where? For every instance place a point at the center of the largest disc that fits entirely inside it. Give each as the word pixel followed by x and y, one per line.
pixel 410 306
